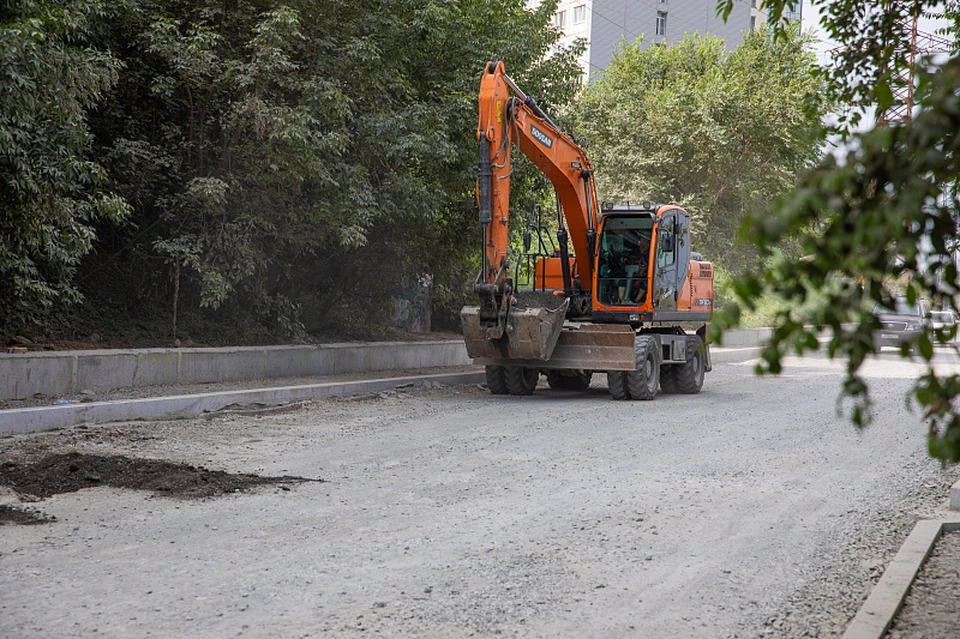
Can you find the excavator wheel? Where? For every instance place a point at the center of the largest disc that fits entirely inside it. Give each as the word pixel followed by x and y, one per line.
pixel 520 380
pixel 556 380
pixel 644 382
pixel 569 379
pixel 668 378
pixel 617 383
pixel 495 380
pixel 689 375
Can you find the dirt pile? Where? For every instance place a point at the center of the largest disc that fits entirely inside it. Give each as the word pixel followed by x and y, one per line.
pixel 12 515
pixel 73 471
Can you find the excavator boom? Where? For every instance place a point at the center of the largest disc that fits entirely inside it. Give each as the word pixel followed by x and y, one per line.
pixel 508 117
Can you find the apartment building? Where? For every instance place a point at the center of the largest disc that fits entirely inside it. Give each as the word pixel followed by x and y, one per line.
pixel 603 24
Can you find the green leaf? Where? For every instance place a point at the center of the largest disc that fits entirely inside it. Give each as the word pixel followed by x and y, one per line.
pixel 925 346
pixel 884 95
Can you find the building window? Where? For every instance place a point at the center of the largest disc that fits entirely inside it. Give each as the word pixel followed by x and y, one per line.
pixel 580 14
pixel 560 19
pixel 661 23
pixel 753 22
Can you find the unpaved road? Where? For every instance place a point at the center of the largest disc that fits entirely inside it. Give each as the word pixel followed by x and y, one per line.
pixel 749 510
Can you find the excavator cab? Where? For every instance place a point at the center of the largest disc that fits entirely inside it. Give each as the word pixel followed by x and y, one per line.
pixel 623 260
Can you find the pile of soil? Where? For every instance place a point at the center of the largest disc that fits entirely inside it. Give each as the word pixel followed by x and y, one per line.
pixel 19 516
pixel 70 472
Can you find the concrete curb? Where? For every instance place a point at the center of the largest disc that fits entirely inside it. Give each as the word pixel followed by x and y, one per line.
pixel 878 611
pixel 740 337
pixel 29 420
pixel 69 372
pixel 725 355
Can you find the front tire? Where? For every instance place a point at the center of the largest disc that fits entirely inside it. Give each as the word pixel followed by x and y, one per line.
pixel 569 379
pixel 520 380
pixel 644 382
pixel 668 379
pixel 495 380
pixel 617 383
pixel 689 375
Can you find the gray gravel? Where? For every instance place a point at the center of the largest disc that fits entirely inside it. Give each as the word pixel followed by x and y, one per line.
pixel 749 510
pixel 932 608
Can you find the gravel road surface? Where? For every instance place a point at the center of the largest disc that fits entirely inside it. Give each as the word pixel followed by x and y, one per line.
pixel 749 510
pixel 932 609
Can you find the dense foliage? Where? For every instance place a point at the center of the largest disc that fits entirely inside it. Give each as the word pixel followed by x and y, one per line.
pixel 887 210
pixel 51 191
pixel 281 161
pixel 719 132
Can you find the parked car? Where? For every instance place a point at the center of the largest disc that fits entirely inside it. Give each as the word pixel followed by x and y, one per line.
pixel 943 320
pixel 901 323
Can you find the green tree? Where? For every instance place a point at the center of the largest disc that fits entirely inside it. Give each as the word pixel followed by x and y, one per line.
pixel 718 132
pixel 887 210
pixel 303 155
pixel 52 190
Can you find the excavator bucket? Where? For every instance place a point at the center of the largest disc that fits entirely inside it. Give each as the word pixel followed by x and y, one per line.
pixel 531 332
pixel 582 346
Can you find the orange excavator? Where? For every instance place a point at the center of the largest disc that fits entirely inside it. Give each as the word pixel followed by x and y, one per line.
pixel 620 291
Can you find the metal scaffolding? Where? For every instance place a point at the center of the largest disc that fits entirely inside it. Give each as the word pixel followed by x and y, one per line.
pixel 903 80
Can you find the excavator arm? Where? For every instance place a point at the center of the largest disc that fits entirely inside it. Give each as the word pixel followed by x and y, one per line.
pixel 500 326
pixel 507 119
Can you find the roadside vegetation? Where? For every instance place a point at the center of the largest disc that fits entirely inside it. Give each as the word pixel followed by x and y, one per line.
pixel 885 211
pixel 247 171
pixel 719 132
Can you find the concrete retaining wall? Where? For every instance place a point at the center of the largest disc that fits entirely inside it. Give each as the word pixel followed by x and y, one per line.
pixel 745 337
pixel 69 372
pixel 31 420
pixel 23 375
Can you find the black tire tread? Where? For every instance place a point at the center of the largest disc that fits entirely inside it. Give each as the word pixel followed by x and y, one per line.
pixel 581 381
pixel 668 379
pixel 689 375
pixel 495 381
pixel 569 379
pixel 639 385
pixel 617 383
pixel 556 381
pixel 520 380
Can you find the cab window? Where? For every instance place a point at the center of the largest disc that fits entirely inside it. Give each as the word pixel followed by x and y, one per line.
pixel 667 253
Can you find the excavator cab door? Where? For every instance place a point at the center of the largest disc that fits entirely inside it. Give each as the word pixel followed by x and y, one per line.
pixel 673 257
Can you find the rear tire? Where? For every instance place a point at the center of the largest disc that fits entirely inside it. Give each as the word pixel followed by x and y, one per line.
pixel 495 380
pixel 644 382
pixel 617 383
pixel 689 375
pixel 520 380
pixel 668 379
pixel 569 379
